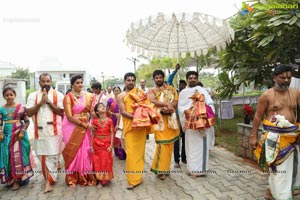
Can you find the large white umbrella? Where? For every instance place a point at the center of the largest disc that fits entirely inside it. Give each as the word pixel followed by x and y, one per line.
pixel 177 34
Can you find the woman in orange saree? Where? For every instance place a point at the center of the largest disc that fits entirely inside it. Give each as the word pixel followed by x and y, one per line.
pixel 77 135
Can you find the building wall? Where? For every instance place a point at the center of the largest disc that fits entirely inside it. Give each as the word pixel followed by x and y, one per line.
pixel 6 69
pixel 62 76
pixel 18 85
pixel 5 72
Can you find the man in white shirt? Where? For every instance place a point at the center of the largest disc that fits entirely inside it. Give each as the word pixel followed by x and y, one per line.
pixel 196 141
pixel 45 106
pixel 143 85
pixel 99 96
pixel 109 93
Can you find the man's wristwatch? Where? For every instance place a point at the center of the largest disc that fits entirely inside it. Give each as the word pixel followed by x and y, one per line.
pixel 49 102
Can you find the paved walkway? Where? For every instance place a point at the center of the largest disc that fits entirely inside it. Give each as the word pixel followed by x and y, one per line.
pixel 231 178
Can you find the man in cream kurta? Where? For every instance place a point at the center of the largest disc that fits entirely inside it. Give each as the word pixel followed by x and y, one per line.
pixel 45 106
pixel 196 142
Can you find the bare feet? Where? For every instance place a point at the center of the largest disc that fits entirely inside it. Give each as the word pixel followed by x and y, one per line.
pixel 131 187
pixel 296 192
pixel 72 186
pixel 194 176
pixel 105 183
pixel 176 165
pixel 58 166
pixel 48 187
pixel 268 195
pixel 15 186
pixel 161 176
pixel 11 182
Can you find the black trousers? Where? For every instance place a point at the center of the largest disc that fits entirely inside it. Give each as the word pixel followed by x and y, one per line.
pixel 176 150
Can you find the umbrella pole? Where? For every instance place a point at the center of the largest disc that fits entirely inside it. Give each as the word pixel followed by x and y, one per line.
pixel 178 74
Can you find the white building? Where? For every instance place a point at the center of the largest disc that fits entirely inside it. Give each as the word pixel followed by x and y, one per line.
pixel 19 85
pixel 61 74
pixel 6 69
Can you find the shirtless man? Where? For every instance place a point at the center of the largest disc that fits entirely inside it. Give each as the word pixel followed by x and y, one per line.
pixel 280 100
pixel 166 132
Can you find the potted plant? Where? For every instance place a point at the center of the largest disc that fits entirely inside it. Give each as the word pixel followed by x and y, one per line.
pixel 248 112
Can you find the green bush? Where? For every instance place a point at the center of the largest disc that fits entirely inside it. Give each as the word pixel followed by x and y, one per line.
pixel 28 91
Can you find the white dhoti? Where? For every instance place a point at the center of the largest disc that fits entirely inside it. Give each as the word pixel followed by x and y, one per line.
pixel 50 163
pixel 285 181
pixel 197 152
pixel 48 151
pixel 211 137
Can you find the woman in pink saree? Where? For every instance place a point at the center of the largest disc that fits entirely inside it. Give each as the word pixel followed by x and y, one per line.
pixel 77 135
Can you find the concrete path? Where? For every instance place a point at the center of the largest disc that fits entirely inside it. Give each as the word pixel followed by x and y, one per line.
pixel 230 178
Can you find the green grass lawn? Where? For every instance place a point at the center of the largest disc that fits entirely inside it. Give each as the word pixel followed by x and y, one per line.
pixel 227 135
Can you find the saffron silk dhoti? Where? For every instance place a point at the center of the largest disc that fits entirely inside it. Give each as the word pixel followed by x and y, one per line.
pixel 166 133
pixel 162 158
pixel 164 148
pixel 135 141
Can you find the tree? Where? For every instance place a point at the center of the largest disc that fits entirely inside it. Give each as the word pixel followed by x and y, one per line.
pixel 22 73
pixel 93 80
pixel 263 38
pixel 145 70
pixel 209 80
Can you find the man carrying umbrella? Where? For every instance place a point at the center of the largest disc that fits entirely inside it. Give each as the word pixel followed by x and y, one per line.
pixel 165 98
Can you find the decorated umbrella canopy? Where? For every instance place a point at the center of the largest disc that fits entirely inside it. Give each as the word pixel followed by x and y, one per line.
pixel 177 34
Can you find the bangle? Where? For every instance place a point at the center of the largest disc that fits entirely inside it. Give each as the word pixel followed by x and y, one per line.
pixel 84 125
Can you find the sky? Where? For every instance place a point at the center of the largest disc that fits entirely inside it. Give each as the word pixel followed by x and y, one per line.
pixel 85 34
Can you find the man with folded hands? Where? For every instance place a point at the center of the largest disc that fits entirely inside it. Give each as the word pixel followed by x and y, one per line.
pixel 45 106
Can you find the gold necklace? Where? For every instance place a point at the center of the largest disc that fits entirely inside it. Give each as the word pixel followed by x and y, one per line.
pixel 102 123
pixel 76 94
pixel 9 111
